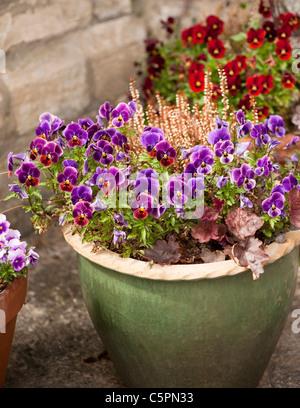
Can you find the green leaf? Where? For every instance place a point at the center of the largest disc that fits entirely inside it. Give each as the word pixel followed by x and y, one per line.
pixel 242 36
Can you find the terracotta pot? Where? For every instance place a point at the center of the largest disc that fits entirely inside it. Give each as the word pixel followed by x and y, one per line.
pixel 204 325
pixel 12 299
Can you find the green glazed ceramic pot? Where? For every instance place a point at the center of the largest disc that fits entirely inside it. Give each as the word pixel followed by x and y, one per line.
pixel 179 331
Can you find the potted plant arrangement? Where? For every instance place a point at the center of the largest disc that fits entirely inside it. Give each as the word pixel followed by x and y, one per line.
pixel 186 236
pixel 15 259
pixel 257 61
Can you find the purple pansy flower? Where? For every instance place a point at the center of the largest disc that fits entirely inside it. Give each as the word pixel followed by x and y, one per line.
pixel 4 224
pixel 165 153
pixel 177 191
pixel 218 134
pixel 49 124
pixel 290 182
pixel 36 147
pixel 294 141
pixel 17 258
pixel 274 204
pixel 241 148
pixel 245 202
pixel 85 123
pixel 28 174
pixel 142 206
pixel 244 176
pixel 105 110
pixel 10 164
pixel 18 190
pixel 225 151
pixel 50 153
pixel 82 213
pixel 132 107
pixel 98 205
pixel 196 185
pixel 119 236
pixel 275 124
pixel 294 158
pixel 220 123
pixel 119 220
pixel 32 257
pixel 120 115
pixel 273 143
pixel 203 160
pixel 158 211
pixel 259 132
pixel 105 134
pixel 264 167
pixel 150 137
pixel 245 126
pixel 81 193
pixel 221 181
pixel 70 162
pixel 75 135
pixel 67 179
pixel 148 185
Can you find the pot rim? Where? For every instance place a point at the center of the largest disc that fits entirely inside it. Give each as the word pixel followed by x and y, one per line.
pixel 113 261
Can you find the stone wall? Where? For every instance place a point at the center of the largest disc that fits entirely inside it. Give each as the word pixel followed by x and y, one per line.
pixel 69 56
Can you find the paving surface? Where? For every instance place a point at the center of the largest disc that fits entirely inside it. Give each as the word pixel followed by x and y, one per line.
pixel 55 343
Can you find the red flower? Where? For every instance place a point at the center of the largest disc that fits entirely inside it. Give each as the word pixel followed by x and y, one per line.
pixel 263 112
pixel 283 49
pixel 216 92
pixel 157 62
pixel 199 34
pixel 196 81
pixel 290 19
pixel 196 67
pixel 267 83
pixel 148 87
pixel 288 80
pixel 231 69
pixel 187 36
pixel 255 38
pixel 245 103
pixel 270 31
pixel 234 84
pixel 284 32
pixel 264 10
pixel 241 62
pixel 254 85
pixel 215 25
pixel 216 48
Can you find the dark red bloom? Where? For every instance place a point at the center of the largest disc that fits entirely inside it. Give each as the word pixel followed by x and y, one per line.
pixel 187 36
pixel 216 92
pixel 245 103
pixel 290 19
pixel 283 49
pixel 270 29
pixel 241 62
pixel 288 80
pixel 263 112
pixel 216 48
pixel 151 45
pixel 196 67
pixel 254 85
pixel 157 62
pixel 267 83
pixel 234 84
pixel 231 69
pixel 264 10
pixel 255 38
pixel 199 34
pixel 215 25
pixel 168 25
pixel 196 81
pixel 284 32
pixel 148 87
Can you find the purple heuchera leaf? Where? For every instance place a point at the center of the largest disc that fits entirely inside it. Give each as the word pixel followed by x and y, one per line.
pixel 205 231
pixel 294 202
pixel 164 252
pixel 243 224
pixel 248 253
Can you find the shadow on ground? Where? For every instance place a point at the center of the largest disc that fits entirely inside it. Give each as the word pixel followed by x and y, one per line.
pixel 55 343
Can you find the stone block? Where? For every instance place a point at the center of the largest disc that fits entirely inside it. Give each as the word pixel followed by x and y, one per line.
pixel 105 10
pixel 37 22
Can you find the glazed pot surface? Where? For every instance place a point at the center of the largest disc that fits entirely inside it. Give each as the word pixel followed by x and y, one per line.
pixel 217 332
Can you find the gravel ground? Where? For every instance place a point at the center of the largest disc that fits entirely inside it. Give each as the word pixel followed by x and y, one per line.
pixel 55 344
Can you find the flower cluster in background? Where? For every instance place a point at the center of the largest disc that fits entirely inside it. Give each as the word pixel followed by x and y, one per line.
pixel 257 62
pixel 126 189
pixel 15 257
